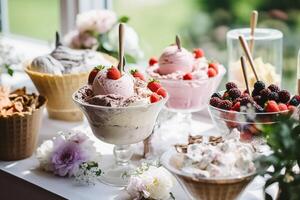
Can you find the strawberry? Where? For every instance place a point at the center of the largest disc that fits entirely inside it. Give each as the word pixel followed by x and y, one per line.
pixel 94 73
pixel 154 85
pixel 198 53
pixel 211 72
pixel 162 92
pixel 188 76
pixel 113 73
pixel 272 106
pixel 291 109
pixel 215 66
pixel 282 107
pixel 154 98
pixel 153 61
pixel 236 106
pixel 136 74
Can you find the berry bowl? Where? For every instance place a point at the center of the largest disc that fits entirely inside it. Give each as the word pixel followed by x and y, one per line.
pixel 233 109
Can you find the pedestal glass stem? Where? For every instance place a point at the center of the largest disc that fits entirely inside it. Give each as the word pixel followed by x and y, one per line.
pixel 122 154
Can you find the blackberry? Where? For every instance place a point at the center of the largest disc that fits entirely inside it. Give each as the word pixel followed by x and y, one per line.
pixel 225 104
pixel 216 94
pixel 246 100
pixel 259 85
pixel 234 93
pixel 273 96
pixel 215 101
pixel 274 88
pixel 264 93
pixel 230 85
pixel 295 101
pixel 259 100
pixel 284 96
pixel 255 92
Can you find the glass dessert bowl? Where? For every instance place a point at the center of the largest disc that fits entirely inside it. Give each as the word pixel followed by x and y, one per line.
pixel 121 126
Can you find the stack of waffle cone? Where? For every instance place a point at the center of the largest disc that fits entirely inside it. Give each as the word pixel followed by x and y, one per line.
pixel 59 90
pixel 19 133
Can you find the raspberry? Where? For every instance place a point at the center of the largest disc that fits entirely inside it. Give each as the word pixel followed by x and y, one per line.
pixel 274 88
pixel 245 101
pixel 264 93
pixel 272 106
pixel 198 53
pixel 284 96
pixel 225 104
pixel 234 93
pixel 211 72
pixel 230 85
pixel 295 101
pixel 259 85
pixel 216 94
pixel 273 96
pixel 215 101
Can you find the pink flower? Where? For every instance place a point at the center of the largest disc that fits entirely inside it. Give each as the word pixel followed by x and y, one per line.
pixel 99 21
pixel 77 40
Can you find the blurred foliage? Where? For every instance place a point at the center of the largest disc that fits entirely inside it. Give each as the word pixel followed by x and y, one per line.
pixel 207 28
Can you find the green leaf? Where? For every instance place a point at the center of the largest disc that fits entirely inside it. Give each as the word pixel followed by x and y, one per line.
pixel 123 19
pixel 10 71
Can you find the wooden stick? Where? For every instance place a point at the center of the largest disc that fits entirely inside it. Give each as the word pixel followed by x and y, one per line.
pixel 178 43
pixel 121 47
pixel 253 23
pixel 248 54
pixel 243 64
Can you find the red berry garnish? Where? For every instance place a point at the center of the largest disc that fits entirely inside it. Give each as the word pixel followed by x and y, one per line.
pixel 136 74
pixel 154 85
pixel 162 92
pixel 198 53
pixel 282 107
pixel 211 72
pixel 188 76
pixel 153 61
pixel 236 106
pixel 215 66
pixel 154 98
pixel 94 73
pixel 272 106
pixel 246 136
pixel 113 73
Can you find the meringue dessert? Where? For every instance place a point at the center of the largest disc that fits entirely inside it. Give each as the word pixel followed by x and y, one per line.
pixel 188 77
pixel 267 73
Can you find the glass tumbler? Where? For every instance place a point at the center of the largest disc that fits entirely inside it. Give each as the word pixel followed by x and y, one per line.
pixel 266 52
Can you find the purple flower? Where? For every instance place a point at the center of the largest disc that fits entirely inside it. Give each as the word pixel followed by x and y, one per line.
pixel 67 157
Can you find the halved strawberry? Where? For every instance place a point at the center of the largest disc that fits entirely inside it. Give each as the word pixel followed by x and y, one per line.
pixel 154 85
pixel 94 73
pixel 113 73
pixel 211 72
pixel 154 98
pixel 136 74
pixel 152 61
pixel 198 53
pixel 272 106
pixel 214 65
pixel 162 92
pixel 188 76
pixel 282 107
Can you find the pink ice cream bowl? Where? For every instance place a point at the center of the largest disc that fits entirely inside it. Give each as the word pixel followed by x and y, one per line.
pixel 191 95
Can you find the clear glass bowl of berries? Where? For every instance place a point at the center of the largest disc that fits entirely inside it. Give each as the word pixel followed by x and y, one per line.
pixel 237 109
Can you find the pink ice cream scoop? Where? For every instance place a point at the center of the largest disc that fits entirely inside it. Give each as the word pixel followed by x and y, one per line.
pixel 174 59
pixel 124 86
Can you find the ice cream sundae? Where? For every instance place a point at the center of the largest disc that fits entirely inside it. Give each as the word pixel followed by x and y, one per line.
pixel 188 77
pixel 60 73
pixel 121 108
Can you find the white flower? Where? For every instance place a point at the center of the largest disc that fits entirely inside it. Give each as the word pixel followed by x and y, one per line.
pixel 154 183
pixel 43 154
pixel 99 21
pixel 131 41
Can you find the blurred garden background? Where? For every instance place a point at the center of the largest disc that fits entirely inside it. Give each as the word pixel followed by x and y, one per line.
pixel 200 23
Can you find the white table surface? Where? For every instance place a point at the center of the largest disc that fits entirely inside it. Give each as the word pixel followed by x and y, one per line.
pixel 27 170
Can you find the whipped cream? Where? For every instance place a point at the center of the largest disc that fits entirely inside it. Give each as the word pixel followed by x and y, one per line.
pixel 228 158
pixel 199 71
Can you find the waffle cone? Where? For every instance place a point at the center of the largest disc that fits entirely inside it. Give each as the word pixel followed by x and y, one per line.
pixel 19 134
pixel 216 190
pixel 59 90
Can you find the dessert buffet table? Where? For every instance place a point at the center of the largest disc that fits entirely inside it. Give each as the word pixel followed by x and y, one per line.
pixel 39 184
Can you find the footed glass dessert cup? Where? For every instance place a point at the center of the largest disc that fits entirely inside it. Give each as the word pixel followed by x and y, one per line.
pixel 227 188
pixel 121 126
